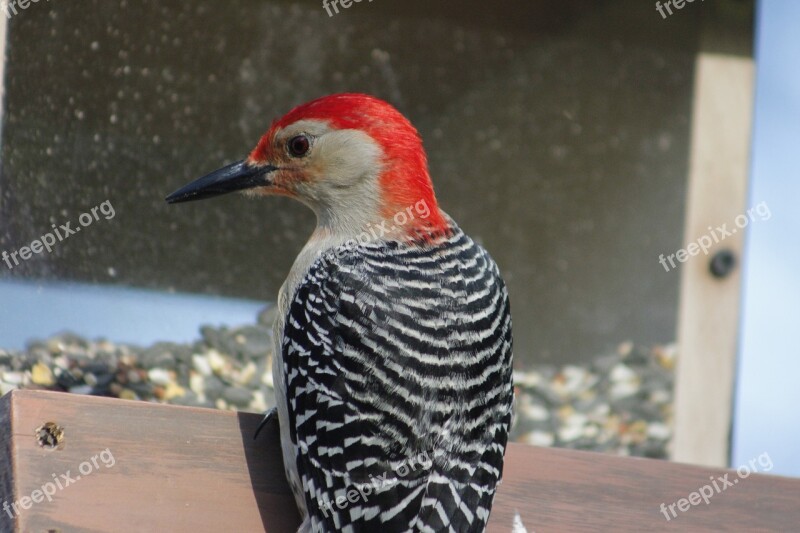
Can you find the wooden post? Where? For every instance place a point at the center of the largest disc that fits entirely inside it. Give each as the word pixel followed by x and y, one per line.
pixel 709 308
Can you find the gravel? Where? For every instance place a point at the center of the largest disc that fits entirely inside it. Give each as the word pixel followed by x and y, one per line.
pixel 620 403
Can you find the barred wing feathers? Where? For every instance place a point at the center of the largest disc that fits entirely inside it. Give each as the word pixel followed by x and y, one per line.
pixel 397 360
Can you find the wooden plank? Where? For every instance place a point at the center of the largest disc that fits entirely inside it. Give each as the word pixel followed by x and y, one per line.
pixel 709 307
pixel 174 468
pixel 187 469
pixel 561 491
pixel 7 470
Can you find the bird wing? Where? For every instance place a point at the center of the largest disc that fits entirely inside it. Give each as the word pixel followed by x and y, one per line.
pixel 397 365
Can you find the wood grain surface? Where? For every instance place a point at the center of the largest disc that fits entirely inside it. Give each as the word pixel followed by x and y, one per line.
pixel 136 466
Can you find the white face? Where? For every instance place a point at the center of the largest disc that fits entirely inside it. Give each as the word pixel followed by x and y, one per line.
pixel 335 172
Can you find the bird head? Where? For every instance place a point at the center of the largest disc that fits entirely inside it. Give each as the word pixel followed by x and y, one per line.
pixel 352 158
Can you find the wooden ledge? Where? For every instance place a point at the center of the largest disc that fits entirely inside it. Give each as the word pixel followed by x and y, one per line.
pixel 137 466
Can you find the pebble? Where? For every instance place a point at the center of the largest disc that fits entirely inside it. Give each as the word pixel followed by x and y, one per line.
pixel 538 438
pixel 623 389
pixel 259 403
pixel 190 399
pixel 267 378
pixel 213 387
pixel 591 431
pixel 173 390
pixel 163 355
pixel 660 397
pixel 248 374
pixel 202 365
pixel 527 379
pixel 253 341
pixel 42 375
pixel 127 394
pixel 160 376
pixel 659 431
pixel 666 355
pixel 621 373
pixel 569 433
pixel 197 385
pixel 217 363
pixel 536 412
pixel 238 396
pixel 13 378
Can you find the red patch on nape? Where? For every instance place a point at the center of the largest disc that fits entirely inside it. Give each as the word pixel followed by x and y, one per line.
pixel 405 182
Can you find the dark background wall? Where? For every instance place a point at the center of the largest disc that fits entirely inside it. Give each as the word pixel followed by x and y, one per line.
pixel 557 135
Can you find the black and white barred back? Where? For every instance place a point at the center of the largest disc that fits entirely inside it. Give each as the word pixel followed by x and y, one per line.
pixel 397 360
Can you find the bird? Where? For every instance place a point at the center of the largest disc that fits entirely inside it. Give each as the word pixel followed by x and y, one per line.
pixel 393 341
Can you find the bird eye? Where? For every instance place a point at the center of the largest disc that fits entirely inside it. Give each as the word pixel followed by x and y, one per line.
pixel 298 146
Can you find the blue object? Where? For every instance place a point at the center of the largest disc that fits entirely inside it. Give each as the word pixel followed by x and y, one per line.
pixel 135 316
pixel 766 415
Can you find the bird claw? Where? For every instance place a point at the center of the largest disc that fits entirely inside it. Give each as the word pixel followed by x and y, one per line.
pixel 267 417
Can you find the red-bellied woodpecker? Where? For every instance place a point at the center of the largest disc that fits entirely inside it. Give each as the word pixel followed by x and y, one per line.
pixel 392 364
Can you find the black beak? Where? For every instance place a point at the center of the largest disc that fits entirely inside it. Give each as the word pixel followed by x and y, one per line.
pixel 236 177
